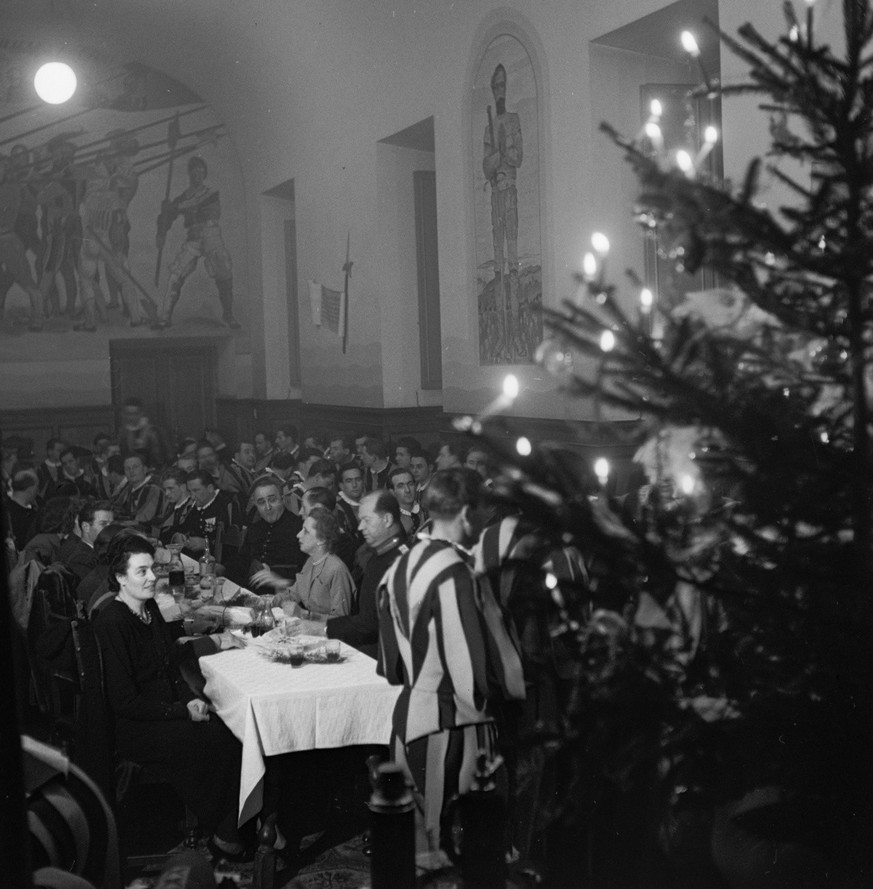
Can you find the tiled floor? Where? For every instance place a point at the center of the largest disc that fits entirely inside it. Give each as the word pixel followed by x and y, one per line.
pixel 152 828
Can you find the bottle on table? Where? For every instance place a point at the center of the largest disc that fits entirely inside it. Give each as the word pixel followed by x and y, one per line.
pixel 176 571
pixel 207 573
pixel 262 617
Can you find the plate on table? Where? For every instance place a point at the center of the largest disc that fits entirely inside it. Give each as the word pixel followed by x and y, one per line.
pixel 319 656
pixel 281 653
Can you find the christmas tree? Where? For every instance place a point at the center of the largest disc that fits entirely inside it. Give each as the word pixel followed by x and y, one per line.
pixel 723 642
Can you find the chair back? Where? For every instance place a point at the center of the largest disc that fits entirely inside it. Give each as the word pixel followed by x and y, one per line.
pixel 51 643
pixel 71 824
pixel 227 537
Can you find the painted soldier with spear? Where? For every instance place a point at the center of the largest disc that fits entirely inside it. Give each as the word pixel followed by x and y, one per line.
pixel 62 232
pixel 13 256
pixel 110 184
pixel 200 207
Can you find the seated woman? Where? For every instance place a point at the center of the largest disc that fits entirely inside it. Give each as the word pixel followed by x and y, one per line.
pixel 158 719
pixel 323 588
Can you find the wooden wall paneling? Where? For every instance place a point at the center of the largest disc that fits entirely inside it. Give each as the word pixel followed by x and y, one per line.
pixel 77 426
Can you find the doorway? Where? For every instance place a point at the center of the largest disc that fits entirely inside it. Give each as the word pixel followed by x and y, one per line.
pixel 175 380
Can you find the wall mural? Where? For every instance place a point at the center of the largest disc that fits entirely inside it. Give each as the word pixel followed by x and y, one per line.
pixel 118 213
pixel 507 204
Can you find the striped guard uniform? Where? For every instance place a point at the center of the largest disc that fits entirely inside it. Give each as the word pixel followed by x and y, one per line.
pixel 513 543
pixel 442 638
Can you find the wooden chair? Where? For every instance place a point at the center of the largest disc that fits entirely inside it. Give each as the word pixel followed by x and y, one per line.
pixel 72 826
pixel 52 647
pixel 227 537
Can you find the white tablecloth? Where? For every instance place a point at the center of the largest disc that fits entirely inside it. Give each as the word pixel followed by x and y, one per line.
pixel 276 708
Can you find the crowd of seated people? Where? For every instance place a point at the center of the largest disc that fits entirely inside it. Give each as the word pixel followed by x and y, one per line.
pixel 264 487
pixel 319 522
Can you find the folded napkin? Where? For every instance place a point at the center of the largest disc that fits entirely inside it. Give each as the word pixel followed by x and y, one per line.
pixel 237 615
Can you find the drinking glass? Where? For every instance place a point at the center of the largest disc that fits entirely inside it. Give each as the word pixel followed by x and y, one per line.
pixel 217 589
pixel 176 571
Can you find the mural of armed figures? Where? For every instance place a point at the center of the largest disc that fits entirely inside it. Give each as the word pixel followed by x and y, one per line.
pixel 116 212
pixel 506 167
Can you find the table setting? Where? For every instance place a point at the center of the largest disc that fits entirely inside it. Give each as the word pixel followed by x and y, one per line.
pixel 280 691
pixel 284 692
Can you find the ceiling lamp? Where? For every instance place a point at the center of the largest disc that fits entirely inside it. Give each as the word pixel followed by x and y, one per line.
pixel 55 83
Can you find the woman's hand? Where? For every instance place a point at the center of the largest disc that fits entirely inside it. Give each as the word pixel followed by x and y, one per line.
pixel 266 577
pixel 198 710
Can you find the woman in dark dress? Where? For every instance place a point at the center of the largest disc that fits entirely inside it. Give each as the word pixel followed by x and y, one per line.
pixel 158 719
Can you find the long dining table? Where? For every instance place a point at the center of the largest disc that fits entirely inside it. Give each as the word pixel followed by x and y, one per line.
pixel 274 707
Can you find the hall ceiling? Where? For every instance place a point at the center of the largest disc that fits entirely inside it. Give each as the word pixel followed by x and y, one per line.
pixel 657 34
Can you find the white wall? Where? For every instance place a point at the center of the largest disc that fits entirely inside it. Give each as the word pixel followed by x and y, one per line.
pixel 398 298
pixel 308 89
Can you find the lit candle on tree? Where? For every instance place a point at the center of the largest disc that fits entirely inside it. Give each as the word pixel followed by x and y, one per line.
pixel 710 137
pixel 689 44
pixel 607 344
pixel 600 243
pixel 647 300
pixel 685 163
pixel 503 400
pixel 601 470
pixel 809 5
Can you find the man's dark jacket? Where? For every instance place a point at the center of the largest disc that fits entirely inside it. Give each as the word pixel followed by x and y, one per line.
pixel 361 630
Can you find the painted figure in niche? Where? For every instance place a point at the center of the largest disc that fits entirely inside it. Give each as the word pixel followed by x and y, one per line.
pixel 200 207
pixel 13 255
pixel 506 203
pixel 503 154
pixel 61 227
pixel 110 184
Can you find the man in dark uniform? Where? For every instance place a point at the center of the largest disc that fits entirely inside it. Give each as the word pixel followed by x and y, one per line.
pixel 272 539
pixel 177 502
pixel 211 507
pixel 141 500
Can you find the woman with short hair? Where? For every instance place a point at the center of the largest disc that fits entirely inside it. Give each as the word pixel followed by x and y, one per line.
pixel 158 718
pixel 323 587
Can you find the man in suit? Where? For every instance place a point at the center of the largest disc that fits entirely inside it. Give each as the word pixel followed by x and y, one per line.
pixel 141 500
pixel 77 550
